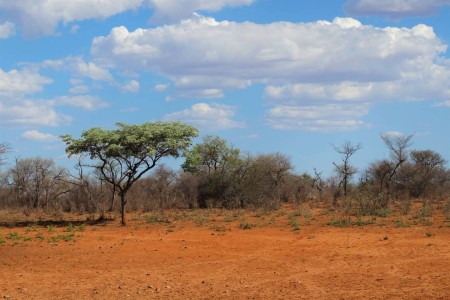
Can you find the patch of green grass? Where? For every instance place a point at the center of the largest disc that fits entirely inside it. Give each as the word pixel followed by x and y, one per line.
pixel 362 222
pixel 2 241
pixel 61 237
pixel 218 228
pixel 340 222
pixel 31 228
pixel 14 236
pixel 69 228
pixel 158 217
pixel 425 211
pixel 246 225
pixel 81 227
pixel 293 222
pixel 399 223
pixel 199 220
pixel 51 228
pixel 39 236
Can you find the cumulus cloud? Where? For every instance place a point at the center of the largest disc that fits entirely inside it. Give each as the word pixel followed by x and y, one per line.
pixel 209 117
pixel 394 8
pixel 18 107
pixel 175 10
pixel 80 68
pixel 85 102
pixel 7 29
pixel 302 65
pixel 26 112
pixel 17 83
pixel 35 135
pixel 37 18
pixel 323 118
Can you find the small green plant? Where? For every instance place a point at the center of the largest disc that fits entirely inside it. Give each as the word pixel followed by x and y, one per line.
pixel 245 225
pixel 51 228
pixel 218 228
pixel 69 228
pixel 81 227
pixel 31 228
pixel 2 241
pixel 382 212
pixel 399 223
pixel 294 223
pixel 425 212
pixel 39 236
pixel 362 222
pixel 341 222
pixel 64 237
pixel 429 234
pixel 14 236
pixel 157 217
pixel 199 221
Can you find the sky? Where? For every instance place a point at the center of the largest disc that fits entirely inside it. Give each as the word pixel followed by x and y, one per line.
pixel 290 76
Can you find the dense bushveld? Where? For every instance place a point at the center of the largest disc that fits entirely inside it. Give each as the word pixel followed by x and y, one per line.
pixel 217 175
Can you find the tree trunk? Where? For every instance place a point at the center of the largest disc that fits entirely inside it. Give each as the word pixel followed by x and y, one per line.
pixel 122 210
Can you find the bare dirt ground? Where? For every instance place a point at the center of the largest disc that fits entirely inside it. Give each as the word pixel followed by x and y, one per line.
pixel 229 254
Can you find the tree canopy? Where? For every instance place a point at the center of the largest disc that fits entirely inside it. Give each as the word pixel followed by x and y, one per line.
pixel 127 153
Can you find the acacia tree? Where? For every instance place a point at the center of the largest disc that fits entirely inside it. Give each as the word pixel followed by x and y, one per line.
pixel 345 170
pixel 130 150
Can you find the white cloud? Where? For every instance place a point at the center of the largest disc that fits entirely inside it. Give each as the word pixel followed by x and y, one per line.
pixel 85 102
pixel 161 87
pixel 35 135
pixel 7 29
pixel 302 65
pixel 41 17
pixel 16 109
pixel 30 112
pixel 394 8
pixel 175 10
pixel 79 89
pixel 443 103
pixel 17 83
pixel 79 67
pixel 131 86
pixel 323 118
pixel 74 29
pixel 209 117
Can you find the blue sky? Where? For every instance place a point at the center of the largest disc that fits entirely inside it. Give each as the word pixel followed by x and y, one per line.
pixel 286 76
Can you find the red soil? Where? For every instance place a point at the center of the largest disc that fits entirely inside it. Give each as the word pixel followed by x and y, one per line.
pixel 218 260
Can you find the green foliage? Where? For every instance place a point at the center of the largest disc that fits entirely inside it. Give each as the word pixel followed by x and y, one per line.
pixel 14 236
pixel 157 217
pixel 293 222
pixel 399 223
pixel 245 225
pixel 51 228
pixel 127 153
pixel 340 222
pixel 213 155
